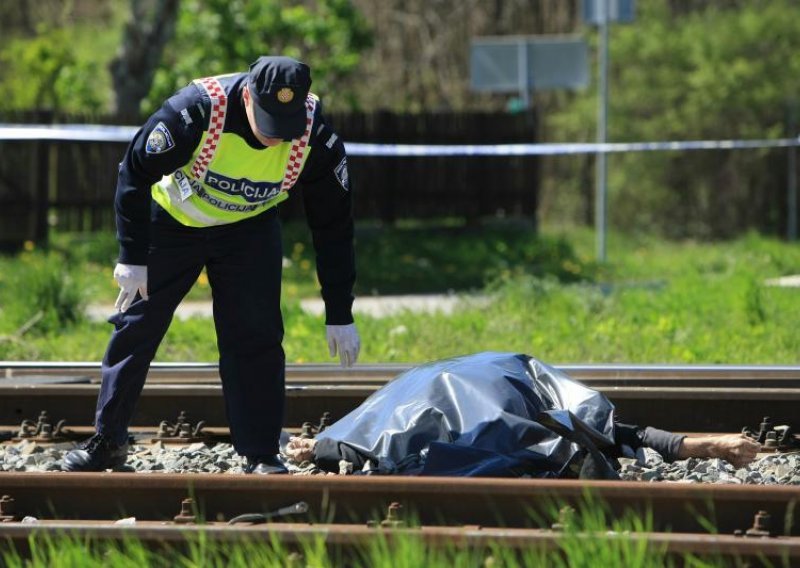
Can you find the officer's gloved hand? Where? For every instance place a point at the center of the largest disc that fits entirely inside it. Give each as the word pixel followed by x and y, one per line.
pixel 344 340
pixel 131 279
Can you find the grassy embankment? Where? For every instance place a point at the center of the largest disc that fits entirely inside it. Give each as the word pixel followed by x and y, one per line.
pixel 654 302
pixel 591 537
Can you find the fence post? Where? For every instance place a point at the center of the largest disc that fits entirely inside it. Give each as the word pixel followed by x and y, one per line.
pixel 791 190
pixel 42 190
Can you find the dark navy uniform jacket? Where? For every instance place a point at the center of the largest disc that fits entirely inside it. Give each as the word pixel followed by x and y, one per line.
pixel 324 184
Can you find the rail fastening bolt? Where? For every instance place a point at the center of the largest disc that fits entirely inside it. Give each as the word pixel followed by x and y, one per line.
pixel 392 519
pixel 307 430
pixel 565 517
pixel 772 439
pixel 6 509
pixel 187 512
pixel 47 431
pixel 294 560
pixel 761 525
pixel 762 521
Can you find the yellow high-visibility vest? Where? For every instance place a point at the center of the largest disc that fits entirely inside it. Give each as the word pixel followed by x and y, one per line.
pixel 226 180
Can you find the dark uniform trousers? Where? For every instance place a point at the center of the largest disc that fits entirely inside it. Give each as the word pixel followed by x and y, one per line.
pixel 243 261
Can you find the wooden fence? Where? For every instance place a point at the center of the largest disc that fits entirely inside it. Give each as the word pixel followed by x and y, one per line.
pixel 70 185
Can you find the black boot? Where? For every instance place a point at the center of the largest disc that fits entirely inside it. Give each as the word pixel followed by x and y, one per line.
pixel 98 453
pixel 265 465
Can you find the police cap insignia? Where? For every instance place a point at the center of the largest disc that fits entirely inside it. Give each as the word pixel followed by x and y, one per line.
pixel 285 95
pixel 160 140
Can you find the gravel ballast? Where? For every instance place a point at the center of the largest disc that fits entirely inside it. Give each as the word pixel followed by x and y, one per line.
pixel 771 469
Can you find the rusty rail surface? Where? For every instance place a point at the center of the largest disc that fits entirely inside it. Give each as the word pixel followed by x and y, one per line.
pixel 687 408
pixel 515 503
pixel 785 376
pixel 351 538
pixel 513 513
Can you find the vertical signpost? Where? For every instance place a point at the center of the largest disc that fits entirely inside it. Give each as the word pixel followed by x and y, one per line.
pixel 601 13
pixel 601 195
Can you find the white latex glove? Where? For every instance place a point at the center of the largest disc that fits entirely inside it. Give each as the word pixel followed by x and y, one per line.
pixel 344 340
pixel 131 279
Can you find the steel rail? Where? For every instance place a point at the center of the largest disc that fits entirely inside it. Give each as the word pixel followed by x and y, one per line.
pixel 520 503
pixel 351 538
pixel 620 374
pixel 697 409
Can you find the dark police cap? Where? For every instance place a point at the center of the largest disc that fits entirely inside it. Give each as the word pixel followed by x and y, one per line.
pixel 279 87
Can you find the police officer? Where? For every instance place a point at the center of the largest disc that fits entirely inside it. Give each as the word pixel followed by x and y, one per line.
pixel 198 188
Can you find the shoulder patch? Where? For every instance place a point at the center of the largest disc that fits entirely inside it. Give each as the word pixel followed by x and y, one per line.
pixel 332 140
pixel 160 140
pixel 342 174
pixel 187 118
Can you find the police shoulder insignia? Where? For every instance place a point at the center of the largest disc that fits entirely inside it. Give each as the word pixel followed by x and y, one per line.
pixel 187 118
pixel 160 140
pixel 342 175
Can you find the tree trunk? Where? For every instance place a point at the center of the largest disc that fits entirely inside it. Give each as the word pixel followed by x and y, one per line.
pixel 146 34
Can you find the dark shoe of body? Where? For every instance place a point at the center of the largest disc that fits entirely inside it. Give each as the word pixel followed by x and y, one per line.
pixel 98 453
pixel 265 465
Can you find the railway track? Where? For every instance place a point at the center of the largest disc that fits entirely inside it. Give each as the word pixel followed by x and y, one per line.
pixel 680 398
pixel 512 513
pixel 787 376
pixel 347 512
pixel 485 502
pixel 348 540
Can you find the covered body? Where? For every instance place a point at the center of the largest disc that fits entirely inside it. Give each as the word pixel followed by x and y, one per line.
pixel 480 414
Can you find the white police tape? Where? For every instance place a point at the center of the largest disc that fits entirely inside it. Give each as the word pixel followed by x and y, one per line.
pixel 358 149
pixel 67 132
pixel 102 133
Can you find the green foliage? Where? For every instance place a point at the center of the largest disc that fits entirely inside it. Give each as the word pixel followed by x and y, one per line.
pixel 424 260
pixel 43 289
pixel 60 69
pixel 222 36
pixel 656 302
pixel 708 74
pixel 591 535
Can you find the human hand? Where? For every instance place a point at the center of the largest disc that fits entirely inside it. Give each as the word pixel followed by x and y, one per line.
pixel 131 279
pixel 300 449
pixel 344 339
pixel 735 448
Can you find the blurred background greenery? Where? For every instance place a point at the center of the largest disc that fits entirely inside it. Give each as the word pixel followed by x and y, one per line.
pixel 695 234
pixel 658 302
pixel 711 69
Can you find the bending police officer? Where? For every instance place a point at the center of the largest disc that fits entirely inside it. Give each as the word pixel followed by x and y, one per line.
pixel 198 188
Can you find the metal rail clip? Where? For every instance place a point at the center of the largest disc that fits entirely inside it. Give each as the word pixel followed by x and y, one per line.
pixel 42 430
pixel 780 438
pixel 181 432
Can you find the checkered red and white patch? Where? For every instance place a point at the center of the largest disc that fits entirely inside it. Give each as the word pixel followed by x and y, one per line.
pixel 299 148
pixel 216 122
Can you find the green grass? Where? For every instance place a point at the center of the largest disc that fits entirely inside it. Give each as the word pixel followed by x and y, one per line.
pixel 591 537
pixel 654 301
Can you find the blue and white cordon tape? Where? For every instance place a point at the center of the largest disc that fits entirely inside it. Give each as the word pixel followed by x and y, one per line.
pixel 102 133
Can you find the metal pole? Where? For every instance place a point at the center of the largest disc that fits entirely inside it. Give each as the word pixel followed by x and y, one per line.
pixel 601 196
pixel 791 190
